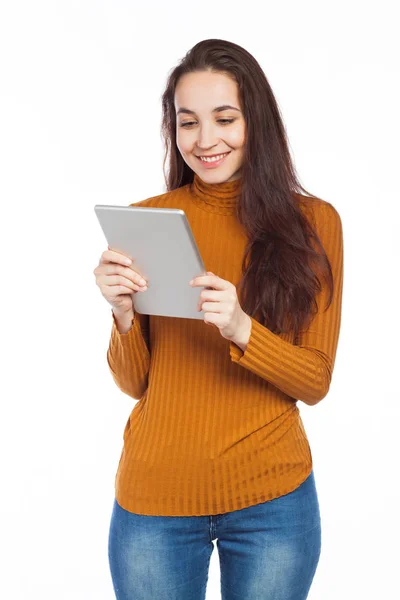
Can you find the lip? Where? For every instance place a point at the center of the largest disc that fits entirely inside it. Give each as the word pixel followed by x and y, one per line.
pixel 210 165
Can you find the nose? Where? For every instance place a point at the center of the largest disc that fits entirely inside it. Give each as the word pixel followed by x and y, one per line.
pixel 207 139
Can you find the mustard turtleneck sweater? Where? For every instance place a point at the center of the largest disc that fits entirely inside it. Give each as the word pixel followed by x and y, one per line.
pixel 216 428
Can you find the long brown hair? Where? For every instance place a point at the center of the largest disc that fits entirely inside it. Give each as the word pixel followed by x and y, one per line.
pixel 278 282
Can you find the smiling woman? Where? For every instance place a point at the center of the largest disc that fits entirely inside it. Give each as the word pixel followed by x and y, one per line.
pixel 216 446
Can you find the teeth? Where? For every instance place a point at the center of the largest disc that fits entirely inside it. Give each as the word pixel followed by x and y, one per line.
pixel 214 158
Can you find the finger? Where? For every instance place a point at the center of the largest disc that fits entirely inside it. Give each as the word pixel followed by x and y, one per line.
pixel 214 282
pixel 216 296
pixel 210 273
pixel 118 280
pixel 209 321
pixel 125 273
pixel 212 307
pixel 119 257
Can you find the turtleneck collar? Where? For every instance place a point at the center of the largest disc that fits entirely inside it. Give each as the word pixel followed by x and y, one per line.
pixel 219 198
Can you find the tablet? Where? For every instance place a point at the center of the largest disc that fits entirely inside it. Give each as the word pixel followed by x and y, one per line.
pixel 161 245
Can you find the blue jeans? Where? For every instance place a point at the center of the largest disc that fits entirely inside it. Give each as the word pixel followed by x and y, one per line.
pixel 269 551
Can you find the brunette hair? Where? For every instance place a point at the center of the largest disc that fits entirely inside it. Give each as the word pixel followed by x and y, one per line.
pixel 278 282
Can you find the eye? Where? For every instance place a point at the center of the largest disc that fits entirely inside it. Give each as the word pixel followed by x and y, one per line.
pixel 223 121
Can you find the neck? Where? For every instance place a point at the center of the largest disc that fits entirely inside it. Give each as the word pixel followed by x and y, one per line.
pixel 220 197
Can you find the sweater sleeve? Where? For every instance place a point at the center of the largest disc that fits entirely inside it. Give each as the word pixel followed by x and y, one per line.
pixel 303 371
pixel 128 356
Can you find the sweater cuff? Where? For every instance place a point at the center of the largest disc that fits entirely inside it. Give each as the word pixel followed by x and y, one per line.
pixel 262 342
pixel 124 337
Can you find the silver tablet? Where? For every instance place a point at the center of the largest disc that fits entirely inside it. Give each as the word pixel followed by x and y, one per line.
pixel 161 244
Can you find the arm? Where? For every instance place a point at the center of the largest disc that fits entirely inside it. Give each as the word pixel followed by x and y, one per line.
pixel 129 353
pixel 303 371
pixel 128 356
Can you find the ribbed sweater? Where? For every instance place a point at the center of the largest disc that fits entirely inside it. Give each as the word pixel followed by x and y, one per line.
pixel 216 428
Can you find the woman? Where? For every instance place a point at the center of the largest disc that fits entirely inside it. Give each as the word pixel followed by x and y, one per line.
pixel 216 448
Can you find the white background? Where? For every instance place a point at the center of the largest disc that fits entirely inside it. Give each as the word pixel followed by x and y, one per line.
pixel 80 117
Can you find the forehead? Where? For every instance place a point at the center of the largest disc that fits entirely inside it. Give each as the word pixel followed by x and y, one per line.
pixel 205 91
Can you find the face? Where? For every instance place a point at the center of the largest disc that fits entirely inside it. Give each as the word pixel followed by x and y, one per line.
pixel 201 130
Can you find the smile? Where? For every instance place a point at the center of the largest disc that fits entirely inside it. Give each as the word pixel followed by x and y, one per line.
pixel 213 161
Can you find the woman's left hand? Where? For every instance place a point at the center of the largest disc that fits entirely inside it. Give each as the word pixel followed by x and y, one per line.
pixel 221 306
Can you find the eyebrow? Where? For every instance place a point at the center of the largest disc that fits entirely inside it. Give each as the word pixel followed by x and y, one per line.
pixel 215 110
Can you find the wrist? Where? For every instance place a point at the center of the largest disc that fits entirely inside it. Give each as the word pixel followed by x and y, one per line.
pixel 123 320
pixel 242 339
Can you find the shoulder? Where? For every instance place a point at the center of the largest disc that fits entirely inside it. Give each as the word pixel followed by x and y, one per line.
pixel 327 225
pixel 162 200
pixel 322 213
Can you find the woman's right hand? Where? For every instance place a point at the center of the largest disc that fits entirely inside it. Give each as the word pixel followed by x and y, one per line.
pixel 118 281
